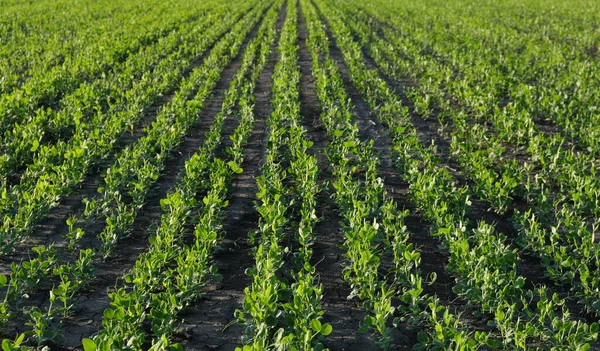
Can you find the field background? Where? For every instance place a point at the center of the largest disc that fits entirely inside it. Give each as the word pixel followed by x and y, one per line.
pixel 299 175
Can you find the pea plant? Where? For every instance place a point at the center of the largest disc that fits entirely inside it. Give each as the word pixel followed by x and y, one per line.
pixel 282 312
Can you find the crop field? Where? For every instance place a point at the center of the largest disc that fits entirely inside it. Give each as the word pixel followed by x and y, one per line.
pixel 299 175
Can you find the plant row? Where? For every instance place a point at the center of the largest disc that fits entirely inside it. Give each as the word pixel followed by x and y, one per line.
pixel 484 264
pixel 171 274
pixel 72 61
pixel 282 310
pixel 23 142
pixel 60 168
pixel 21 283
pixel 374 227
pixel 559 229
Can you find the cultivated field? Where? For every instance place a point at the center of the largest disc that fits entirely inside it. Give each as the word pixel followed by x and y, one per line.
pixel 299 175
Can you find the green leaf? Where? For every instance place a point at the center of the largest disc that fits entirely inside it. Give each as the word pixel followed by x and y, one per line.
pixel 35 146
pixel 349 144
pixel 88 344
pixel 481 336
pixel 234 167
pixel 20 339
pixel 369 321
pixel 3 280
pixel 439 332
pixel 326 330
pixel 422 337
pixel 165 202
pixel 500 315
pixel 316 325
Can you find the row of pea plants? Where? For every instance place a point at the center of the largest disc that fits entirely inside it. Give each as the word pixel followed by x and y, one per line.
pixel 374 226
pixel 19 283
pixel 60 168
pixel 551 162
pixel 171 274
pixel 95 52
pixel 284 311
pixel 80 111
pixel 484 264
pixel 537 90
pixel 422 97
pixel 559 230
pixel 20 144
pixel 67 280
pixel 33 44
pixel 514 124
pixel 547 154
pixel 128 181
pixel 572 171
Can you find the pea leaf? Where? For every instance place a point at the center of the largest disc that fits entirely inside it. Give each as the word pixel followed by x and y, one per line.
pixel 88 344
